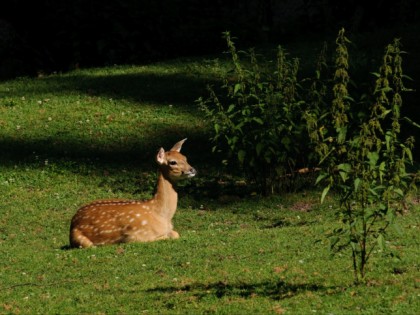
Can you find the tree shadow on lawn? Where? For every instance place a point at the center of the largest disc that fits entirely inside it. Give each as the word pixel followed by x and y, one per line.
pixel 180 88
pixel 276 290
pixel 155 88
pixel 131 152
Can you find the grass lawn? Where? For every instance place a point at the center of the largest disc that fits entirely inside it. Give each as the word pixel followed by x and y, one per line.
pixel 67 139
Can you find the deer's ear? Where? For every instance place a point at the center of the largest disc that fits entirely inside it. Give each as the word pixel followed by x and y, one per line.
pixel 177 146
pixel 160 157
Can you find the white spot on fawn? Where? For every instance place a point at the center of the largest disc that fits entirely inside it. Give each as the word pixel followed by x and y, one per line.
pixel 144 222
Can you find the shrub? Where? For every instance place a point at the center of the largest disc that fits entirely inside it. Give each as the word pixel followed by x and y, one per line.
pixel 266 118
pixel 259 118
pixel 365 165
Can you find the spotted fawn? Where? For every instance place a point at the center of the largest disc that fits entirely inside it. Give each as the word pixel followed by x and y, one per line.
pixel 115 221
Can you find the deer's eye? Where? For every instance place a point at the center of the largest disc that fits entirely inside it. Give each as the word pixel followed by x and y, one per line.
pixel 173 163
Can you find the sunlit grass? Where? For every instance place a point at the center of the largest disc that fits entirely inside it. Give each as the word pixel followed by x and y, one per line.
pixel 70 138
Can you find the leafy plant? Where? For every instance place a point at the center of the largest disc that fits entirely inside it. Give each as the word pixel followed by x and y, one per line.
pixel 366 166
pixel 258 119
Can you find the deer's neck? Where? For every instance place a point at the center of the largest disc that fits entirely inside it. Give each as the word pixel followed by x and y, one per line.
pixel 166 197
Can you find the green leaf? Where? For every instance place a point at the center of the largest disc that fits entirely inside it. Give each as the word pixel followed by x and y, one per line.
pixel 346 167
pixel 216 128
pixel 354 245
pixel 344 170
pixel 373 158
pixel 238 87
pixel 369 212
pixel 411 122
pixel 382 170
pixel 241 156
pixel 344 176
pixel 388 138
pixel 259 148
pixel 324 193
pixel 349 98
pixel 381 241
pixel 399 192
pixel 232 141
pixel 231 108
pixel 320 178
pixel 407 77
pixel 409 153
pixel 390 216
pixel 341 136
pixel 373 192
pixel 357 182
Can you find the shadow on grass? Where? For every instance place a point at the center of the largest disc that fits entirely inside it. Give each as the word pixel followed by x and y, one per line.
pixel 178 84
pixel 155 87
pixel 132 152
pixel 276 290
pixel 139 88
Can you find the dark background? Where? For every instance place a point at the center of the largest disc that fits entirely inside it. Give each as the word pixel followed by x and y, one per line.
pixel 59 35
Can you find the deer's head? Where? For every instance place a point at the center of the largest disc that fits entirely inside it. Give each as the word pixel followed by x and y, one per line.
pixel 173 164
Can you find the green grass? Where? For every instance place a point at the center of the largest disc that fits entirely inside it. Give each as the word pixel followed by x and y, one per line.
pixel 89 134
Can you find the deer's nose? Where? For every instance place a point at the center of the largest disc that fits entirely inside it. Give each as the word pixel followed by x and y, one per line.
pixel 192 172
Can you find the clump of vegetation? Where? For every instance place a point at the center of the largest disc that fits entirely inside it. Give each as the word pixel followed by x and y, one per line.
pixel 267 119
pixel 259 118
pixel 365 165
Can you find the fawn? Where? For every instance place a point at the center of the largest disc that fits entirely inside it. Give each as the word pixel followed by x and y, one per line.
pixel 122 221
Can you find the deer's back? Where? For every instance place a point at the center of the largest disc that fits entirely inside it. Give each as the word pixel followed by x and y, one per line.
pixel 115 221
